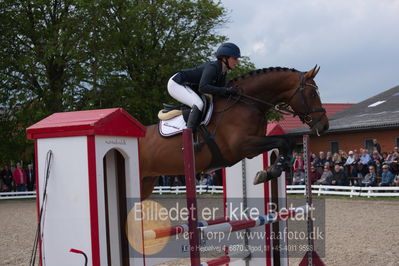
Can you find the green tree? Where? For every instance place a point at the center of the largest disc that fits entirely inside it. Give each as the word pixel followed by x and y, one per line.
pixel 61 55
pixel 43 46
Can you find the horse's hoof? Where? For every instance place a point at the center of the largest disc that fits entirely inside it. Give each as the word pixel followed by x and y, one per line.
pixel 259 177
pixel 266 175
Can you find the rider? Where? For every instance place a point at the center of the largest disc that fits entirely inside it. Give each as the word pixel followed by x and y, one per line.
pixel 210 78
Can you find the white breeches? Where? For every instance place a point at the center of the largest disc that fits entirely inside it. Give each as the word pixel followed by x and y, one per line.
pixel 184 94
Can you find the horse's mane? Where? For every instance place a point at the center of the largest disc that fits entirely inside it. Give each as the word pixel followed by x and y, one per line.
pixel 261 71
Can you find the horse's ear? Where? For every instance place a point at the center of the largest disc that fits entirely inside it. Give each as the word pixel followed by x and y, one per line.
pixel 316 70
pixel 312 73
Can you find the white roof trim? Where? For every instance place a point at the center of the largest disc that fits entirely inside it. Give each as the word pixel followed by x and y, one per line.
pixel 376 103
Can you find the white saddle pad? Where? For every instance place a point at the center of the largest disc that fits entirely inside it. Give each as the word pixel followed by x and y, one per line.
pixel 174 126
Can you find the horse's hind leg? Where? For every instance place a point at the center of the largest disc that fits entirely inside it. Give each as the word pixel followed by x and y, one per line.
pixel 147 186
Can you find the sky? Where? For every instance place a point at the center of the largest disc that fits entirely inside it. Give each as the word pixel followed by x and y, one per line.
pixel 356 42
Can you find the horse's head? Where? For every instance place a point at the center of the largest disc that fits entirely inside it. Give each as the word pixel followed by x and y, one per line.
pixel 306 103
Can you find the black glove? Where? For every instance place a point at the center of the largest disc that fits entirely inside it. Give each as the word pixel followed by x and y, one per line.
pixel 231 91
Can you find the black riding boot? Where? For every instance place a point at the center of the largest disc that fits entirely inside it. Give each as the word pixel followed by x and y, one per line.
pixel 193 121
pixel 194 118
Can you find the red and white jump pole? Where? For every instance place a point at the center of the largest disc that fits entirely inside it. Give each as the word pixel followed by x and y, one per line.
pixel 191 196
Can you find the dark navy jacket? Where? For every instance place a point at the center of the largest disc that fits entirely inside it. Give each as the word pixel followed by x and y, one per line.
pixel 206 78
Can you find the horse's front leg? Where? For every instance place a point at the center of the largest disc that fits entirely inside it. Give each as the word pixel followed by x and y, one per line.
pixel 256 145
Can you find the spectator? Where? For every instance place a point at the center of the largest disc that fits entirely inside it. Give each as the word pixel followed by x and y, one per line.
pixel 378 167
pixel 203 180
pixel 337 159
pixel 339 177
pixel 215 178
pixel 394 167
pixel 313 174
pixel 6 175
pixel 313 158
pixel 390 158
pixel 329 157
pixel 396 181
pixel 30 175
pixel 365 160
pixel 365 157
pixel 369 179
pixel 298 179
pixel 293 158
pixel 165 180
pixel 376 146
pixel 376 156
pixel 344 156
pixel 350 161
pixel 19 178
pixel 395 157
pixel 299 172
pixel 386 177
pixel 328 164
pixel 176 182
pixel 384 156
pixel 319 162
pixel 326 177
pixel 299 163
pixel 210 180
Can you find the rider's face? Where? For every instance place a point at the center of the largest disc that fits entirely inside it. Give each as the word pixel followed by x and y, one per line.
pixel 232 62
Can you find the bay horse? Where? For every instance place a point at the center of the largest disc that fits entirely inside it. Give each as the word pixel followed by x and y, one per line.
pixel 239 124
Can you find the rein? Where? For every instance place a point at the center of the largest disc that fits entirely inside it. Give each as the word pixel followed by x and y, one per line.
pixel 282 109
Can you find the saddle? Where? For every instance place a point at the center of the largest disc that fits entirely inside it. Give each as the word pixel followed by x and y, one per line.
pixel 170 111
pixel 173 119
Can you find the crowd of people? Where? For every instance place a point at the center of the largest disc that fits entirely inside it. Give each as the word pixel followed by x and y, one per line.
pixel 17 179
pixel 210 179
pixel 358 167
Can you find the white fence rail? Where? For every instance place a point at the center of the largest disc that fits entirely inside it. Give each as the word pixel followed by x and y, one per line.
pixel 18 195
pixel 182 189
pixel 346 191
pixel 318 190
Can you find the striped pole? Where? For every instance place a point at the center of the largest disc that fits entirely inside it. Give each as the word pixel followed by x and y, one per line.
pixel 178 229
pixel 191 196
pixel 311 258
pixel 237 225
pixel 227 259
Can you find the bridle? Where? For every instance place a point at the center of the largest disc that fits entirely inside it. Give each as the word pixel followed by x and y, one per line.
pixel 305 117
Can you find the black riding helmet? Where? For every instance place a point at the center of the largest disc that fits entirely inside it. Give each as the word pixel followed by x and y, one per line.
pixel 228 49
